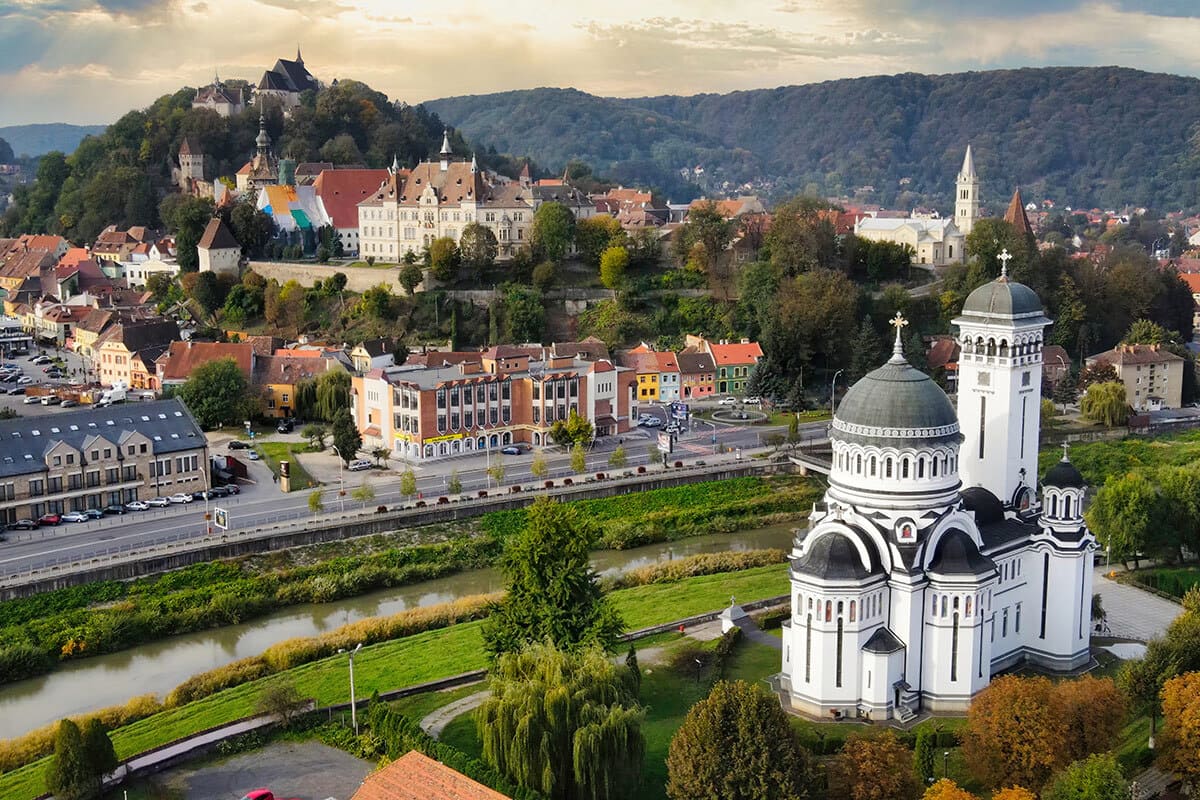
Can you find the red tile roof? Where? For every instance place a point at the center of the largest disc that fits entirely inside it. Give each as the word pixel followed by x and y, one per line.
pixel 416 776
pixel 341 190
pixel 183 357
pixel 736 353
pixel 1192 279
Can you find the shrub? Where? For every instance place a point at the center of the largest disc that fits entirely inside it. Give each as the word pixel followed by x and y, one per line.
pixel 700 564
pixel 215 680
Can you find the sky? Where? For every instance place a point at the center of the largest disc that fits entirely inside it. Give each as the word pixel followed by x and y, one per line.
pixel 89 61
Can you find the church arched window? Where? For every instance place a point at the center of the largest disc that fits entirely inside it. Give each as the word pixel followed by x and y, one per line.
pixel 1054 505
pixel 872 466
pixel 904 468
pixel 1003 348
pixel 887 467
pixel 852 610
pixel 921 467
pixel 829 611
pixel 967 606
pixel 933 464
pixel 858 464
pixel 955 604
pixel 944 604
pixel 839 609
pixel 1067 506
pixel 991 347
pixel 934 611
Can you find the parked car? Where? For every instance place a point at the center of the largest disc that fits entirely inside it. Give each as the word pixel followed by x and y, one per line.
pixel 25 381
pixel 752 401
pixel 253 455
pixel 51 400
pixel 218 491
pixel 511 450
pixel 49 519
pixel 727 401
pixel 358 464
pixel 69 403
pixel 16 390
pixel 41 359
pixel 30 399
pixel 137 505
pixel 158 502
pixel 93 513
pixel 285 426
pixel 75 516
pixel 115 509
pixel 653 422
pixel 23 525
pixel 181 498
pixel 232 488
pixel 238 444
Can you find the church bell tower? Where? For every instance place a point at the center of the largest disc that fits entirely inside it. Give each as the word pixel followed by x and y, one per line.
pixel 966 199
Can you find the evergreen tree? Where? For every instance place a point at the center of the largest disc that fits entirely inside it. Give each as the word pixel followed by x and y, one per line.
pixel 98 750
pixel 923 756
pixel 867 353
pixel 914 352
pixel 69 776
pixel 552 591
pixel 346 437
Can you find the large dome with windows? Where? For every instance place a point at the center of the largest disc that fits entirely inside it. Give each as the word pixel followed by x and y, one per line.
pixel 1002 298
pixel 896 401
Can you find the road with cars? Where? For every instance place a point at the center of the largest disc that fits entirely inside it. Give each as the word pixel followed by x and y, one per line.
pixel 260 501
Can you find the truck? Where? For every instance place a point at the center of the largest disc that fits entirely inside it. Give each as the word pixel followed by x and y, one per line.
pixel 116 394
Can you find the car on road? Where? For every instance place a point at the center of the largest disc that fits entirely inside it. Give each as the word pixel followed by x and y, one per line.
pixel 238 444
pixel 49 519
pixel 31 398
pixel 232 488
pixel 26 381
pixel 181 498
pixel 253 455
pixel 93 513
pixel 137 505
pixel 727 400
pixel 653 422
pixel 75 516
pixel 51 400
pixel 674 427
pixel 23 525
pixel 69 403
pixel 216 491
pixel 41 359
pixel 752 401
pixel 16 390
pixel 511 450
pixel 358 464
pixel 158 502
pixel 115 509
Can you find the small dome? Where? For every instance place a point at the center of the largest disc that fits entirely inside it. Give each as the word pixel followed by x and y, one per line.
pixel 986 506
pixel 1064 475
pixel 834 557
pixel 1002 298
pixel 958 555
pixel 896 396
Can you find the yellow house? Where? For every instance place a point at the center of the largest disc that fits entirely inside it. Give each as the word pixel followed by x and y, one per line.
pixel 89 330
pixel 644 363
pixel 116 350
pixel 277 377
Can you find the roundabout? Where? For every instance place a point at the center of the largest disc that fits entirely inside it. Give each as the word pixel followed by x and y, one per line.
pixel 738 416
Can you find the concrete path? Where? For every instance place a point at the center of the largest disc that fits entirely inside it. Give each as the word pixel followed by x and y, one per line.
pixel 1134 613
pixel 757 635
pixel 436 722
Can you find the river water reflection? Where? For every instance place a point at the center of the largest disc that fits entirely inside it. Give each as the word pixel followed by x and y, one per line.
pixel 159 667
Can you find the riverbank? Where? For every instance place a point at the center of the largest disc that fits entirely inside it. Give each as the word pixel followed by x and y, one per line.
pixel 403 662
pixel 43 631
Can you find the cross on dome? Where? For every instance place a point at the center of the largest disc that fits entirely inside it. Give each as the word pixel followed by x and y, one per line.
pixel 1004 257
pixel 1066 447
pixel 898 322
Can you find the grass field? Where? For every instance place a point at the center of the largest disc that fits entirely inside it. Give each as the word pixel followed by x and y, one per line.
pixel 403 662
pixel 1098 460
pixel 274 452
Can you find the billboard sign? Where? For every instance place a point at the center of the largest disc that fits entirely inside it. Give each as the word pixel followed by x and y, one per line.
pixel 221 518
pixel 665 442
pixel 679 411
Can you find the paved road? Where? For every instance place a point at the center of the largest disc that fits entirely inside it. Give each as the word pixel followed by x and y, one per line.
pixel 1133 613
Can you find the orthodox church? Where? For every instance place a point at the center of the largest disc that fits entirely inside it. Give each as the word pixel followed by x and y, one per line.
pixel 932 561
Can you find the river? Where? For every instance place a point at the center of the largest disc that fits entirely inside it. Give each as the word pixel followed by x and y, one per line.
pixel 159 667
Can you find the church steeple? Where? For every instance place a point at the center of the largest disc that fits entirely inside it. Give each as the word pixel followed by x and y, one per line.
pixel 262 141
pixel 446 152
pixel 299 58
pixel 966 198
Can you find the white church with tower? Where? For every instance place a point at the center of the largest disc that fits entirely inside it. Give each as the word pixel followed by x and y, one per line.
pixel 936 559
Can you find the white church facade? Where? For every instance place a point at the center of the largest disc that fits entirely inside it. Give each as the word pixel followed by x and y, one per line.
pixel 935 559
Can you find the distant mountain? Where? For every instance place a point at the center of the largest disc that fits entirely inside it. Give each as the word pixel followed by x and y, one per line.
pixel 34 140
pixel 1103 136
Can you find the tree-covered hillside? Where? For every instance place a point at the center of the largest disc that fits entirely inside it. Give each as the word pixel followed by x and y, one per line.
pixel 34 140
pixel 1082 136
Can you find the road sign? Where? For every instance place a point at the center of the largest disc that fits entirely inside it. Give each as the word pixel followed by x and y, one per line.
pixel 680 411
pixel 665 442
pixel 221 518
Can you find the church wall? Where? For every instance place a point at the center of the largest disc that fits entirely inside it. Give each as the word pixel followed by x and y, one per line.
pixel 1068 609
pixel 954 645
pixel 908 624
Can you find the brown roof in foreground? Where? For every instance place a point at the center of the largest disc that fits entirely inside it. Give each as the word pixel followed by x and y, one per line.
pixel 217 236
pixel 183 357
pixel 416 776
pixel 287 369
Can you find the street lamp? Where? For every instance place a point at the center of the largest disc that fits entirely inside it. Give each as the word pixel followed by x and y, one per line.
pixel 341 480
pixel 1066 371
pixel 945 761
pixel 833 391
pixel 353 710
pixel 699 666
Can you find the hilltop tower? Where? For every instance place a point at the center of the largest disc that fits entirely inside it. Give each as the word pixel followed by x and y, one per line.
pixel 191 163
pixel 966 199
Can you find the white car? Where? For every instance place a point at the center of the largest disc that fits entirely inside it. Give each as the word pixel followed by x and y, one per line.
pixel 75 516
pixel 158 502
pixel 653 422
pixel 137 505
pixel 181 498
pixel 358 464
pixel 752 401
pixel 25 381
pixel 30 399
pixel 253 455
pixel 727 401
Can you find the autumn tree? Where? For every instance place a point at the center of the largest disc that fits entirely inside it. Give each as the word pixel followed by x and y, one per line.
pixel 737 744
pixel 946 789
pixel 1014 793
pixel 1098 372
pixel 596 234
pixel 552 591
pixel 800 239
pixel 1181 725
pixel 1093 712
pixel 564 723
pixel 1105 403
pixel 1175 653
pixel 703 236
pixel 443 258
pixel 1097 777
pixel 578 459
pixel 538 467
pixel 410 277
pixel 618 459
pixel 477 247
pixel 613 263
pixel 873 768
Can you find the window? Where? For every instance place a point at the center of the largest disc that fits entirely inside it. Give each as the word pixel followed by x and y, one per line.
pixel 829 611
pixel 1017 620
pixel 1004 624
pixel 954 649
pixel 852 610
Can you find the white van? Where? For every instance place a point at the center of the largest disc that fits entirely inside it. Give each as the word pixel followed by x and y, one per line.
pixel 359 464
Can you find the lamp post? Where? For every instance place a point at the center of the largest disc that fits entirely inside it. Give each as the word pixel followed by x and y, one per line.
pixel 699 666
pixel 353 709
pixel 341 480
pixel 1066 371
pixel 833 391
pixel 945 760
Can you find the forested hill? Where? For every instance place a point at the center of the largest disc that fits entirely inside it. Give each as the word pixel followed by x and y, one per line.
pixel 34 140
pixel 1086 136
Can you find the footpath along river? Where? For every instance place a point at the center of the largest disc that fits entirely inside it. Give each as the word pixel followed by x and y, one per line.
pixel 159 667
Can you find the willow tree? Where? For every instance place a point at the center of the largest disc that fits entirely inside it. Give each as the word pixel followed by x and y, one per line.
pixel 1105 403
pixel 566 724
pixel 552 593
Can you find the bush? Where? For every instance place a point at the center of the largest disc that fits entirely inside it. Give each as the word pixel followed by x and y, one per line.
pixel 215 680
pixel 700 564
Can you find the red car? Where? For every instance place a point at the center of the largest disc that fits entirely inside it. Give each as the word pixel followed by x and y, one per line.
pixel 261 794
pixel 49 519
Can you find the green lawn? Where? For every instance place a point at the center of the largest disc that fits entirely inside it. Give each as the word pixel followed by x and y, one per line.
pixel 1097 460
pixel 418 706
pixel 404 662
pixel 274 452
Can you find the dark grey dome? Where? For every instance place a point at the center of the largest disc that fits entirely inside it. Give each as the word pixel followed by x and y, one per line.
pixel 1002 298
pixel 986 506
pixel 1064 475
pixel 958 555
pixel 896 396
pixel 834 557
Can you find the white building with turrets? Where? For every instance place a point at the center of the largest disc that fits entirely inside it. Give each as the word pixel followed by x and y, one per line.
pixel 935 560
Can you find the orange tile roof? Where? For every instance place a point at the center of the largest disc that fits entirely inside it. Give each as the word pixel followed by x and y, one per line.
pixel 183 357
pixel 1192 279
pixel 416 776
pixel 341 190
pixel 666 362
pixel 73 256
pixel 736 353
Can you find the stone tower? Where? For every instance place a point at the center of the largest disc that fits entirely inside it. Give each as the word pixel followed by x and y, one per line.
pixel 191 162
pixel 966 198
